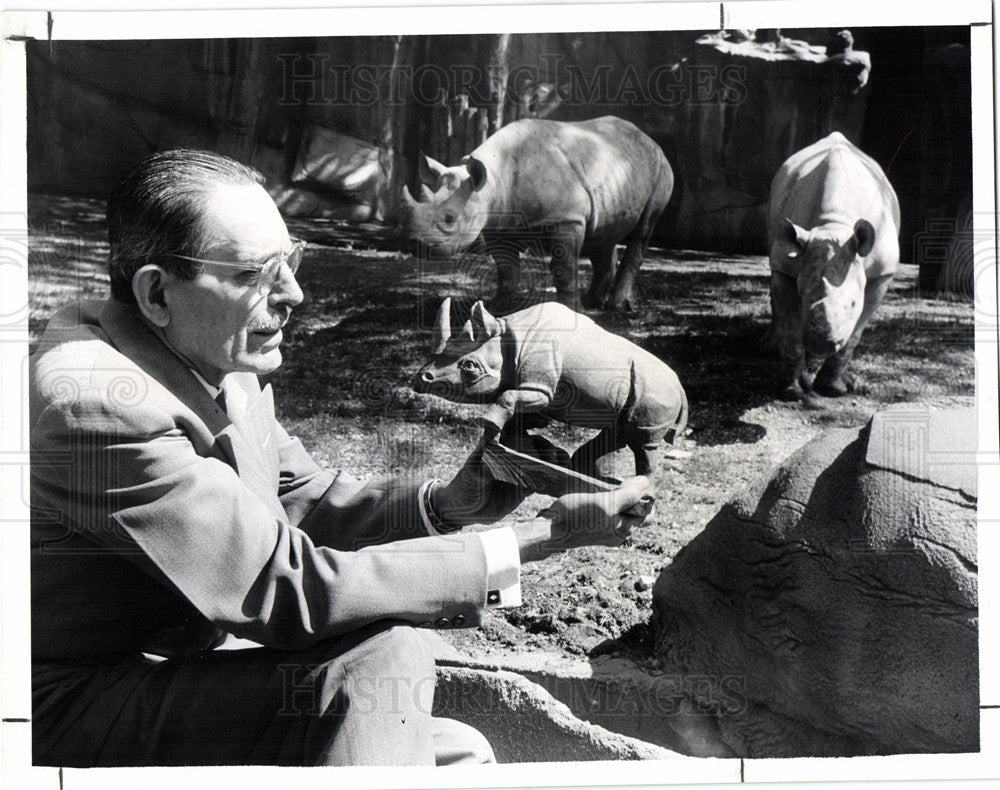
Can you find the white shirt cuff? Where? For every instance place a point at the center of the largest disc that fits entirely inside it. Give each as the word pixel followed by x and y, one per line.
pixel 503 568
pixel 425 516
pixel 503 558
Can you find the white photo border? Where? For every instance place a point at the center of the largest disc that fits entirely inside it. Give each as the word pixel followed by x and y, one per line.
pixel 412 17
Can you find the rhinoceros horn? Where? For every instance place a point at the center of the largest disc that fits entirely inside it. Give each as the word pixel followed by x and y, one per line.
pixel 408 199
pixel 484 325
pixel 442 328
pixel 426 196
pixel 430 169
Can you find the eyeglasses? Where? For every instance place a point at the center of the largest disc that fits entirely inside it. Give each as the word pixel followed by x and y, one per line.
pixel 268 271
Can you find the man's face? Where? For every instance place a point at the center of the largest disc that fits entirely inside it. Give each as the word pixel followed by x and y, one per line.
pixel 219 322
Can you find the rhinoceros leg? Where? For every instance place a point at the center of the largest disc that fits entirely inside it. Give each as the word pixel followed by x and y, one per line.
pixel 621 297
pixel 645 433
pixel 506 258
pixel 786 333
pixel 637 241
pixel 564 247
pixel 515 436
pixel 602 259
pixel 646 447
pixel 833 380
pixel 587 455
pixel 647 455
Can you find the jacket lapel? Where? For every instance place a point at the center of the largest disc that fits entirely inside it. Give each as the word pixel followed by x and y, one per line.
pixel 135 340
pixel 246 442
pixel 249 437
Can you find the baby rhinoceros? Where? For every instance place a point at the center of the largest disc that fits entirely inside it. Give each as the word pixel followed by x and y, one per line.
pixel 550 363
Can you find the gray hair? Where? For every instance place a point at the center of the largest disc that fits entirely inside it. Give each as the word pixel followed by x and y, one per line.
pixel 156 210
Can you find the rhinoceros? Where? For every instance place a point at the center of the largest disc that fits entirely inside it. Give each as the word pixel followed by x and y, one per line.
pixel 551 363
pixel 833 228
pixel 561 188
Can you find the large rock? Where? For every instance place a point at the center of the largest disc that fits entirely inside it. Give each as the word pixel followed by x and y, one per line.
pixel 525 724
pixel 842 594
pixel 758 98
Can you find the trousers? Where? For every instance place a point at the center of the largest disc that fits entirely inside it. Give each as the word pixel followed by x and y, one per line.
pixel 363 699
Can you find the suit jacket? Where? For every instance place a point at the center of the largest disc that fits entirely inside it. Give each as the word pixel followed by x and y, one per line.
pixel 158 524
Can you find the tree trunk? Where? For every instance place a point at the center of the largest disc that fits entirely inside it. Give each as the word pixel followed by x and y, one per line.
pixel 498 70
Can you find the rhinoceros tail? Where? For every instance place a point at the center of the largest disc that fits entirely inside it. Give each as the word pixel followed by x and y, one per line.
pixel 682 420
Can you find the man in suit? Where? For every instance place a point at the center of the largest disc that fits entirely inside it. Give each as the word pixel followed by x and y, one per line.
pixel 170 509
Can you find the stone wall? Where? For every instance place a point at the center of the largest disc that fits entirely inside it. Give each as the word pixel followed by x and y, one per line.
pixel 763 97
pixel 95 108
pixel 336 123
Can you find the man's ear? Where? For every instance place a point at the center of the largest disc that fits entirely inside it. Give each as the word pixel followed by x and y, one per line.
pixel 147 287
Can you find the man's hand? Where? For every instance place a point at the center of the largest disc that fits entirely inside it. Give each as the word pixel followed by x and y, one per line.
pixel 474 497
pixel 578 520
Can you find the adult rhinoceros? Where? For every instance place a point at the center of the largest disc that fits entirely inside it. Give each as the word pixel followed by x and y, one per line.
pixel 833 229
pixel 560 188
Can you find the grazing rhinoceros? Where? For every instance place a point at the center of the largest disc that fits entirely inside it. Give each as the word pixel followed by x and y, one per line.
pixel 833 229
pixel 561 188
pixel 551 363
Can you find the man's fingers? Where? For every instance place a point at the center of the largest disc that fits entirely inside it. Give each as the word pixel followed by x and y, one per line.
pixel 624 529
pixel 630 492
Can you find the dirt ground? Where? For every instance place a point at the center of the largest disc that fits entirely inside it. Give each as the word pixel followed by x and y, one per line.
pixel 366 328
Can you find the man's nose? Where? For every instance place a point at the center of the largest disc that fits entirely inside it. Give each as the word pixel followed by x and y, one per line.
pixel 286 288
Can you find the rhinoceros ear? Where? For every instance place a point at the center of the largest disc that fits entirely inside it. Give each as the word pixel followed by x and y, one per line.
pixel 484 325
pixel 793 235
pixel 477 171
pixel 430 170
pixel 864 237
pixel 442 327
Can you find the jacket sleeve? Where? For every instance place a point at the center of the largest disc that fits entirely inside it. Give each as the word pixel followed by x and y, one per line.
pixel 336 509
pixel 139 481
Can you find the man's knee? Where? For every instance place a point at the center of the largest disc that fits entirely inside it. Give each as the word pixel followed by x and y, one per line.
pixel 400 650
pixel 392 666
pixel 457 743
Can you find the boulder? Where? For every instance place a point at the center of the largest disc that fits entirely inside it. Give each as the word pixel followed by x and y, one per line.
pixel 524 723
pixel 756 100
pixel 841 592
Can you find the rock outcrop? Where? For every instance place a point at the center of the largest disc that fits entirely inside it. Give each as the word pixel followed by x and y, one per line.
pixel 842 592
pixel 525 724
pixel 759 97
